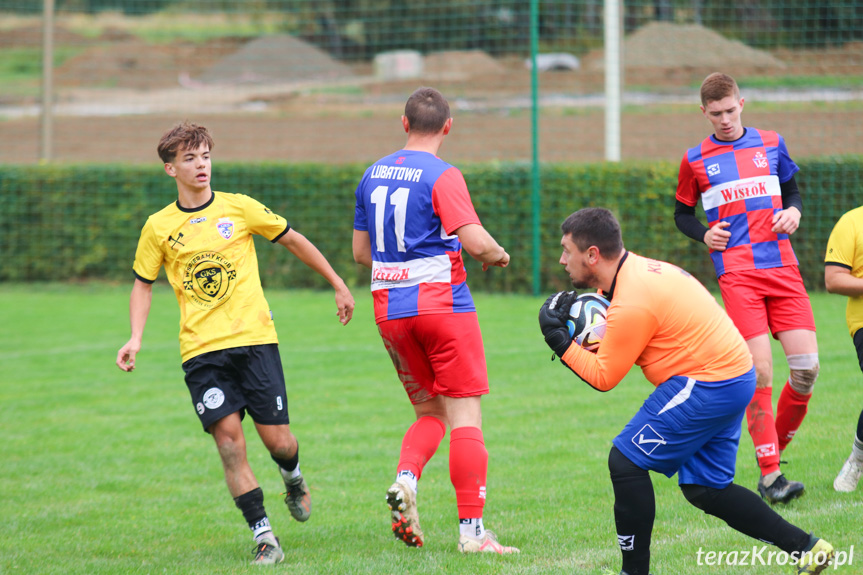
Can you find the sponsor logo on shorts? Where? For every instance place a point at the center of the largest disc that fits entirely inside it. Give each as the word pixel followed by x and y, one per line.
pixel 647 439
pixel 214 398
pixel 200 408
pixel 626 542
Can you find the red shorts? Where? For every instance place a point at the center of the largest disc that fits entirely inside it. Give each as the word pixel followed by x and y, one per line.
pixel 439 354
pixel 773 300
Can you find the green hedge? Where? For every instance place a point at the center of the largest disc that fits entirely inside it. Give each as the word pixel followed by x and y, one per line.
pixel 63 223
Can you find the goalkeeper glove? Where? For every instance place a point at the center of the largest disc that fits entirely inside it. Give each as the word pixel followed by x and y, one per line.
pixel 552 321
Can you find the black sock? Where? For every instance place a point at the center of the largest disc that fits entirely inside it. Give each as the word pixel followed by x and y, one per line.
pixel 252 506
pixel 858 439
pixel 746 512
pixel 634 511
pixel 288 464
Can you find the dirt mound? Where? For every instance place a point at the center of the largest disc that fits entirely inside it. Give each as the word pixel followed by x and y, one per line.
pixel 686 46
pixel 277 58
pixel 460 64
pixel 132 63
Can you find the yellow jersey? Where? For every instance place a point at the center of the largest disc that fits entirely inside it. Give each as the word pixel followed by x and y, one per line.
pixel 845 249
pixel 210 261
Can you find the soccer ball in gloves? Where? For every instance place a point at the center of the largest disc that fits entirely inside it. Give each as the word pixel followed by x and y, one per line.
pixel 586 321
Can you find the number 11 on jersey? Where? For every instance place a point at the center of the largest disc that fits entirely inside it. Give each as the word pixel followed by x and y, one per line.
pixel 399 199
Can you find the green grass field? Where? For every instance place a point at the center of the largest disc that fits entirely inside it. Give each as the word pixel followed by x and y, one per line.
pixel 107 472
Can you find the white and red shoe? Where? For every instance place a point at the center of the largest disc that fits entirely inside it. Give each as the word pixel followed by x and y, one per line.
pixel 486 544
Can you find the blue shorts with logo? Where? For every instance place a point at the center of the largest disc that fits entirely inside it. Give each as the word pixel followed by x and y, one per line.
pixel 691 428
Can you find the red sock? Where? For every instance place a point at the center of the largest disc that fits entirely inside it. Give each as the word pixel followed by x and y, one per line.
pixel 420 444
pixel 468 465
pixel 790 411
pixel 759 415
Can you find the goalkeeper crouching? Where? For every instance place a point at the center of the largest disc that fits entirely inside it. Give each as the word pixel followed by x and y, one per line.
pixel 663 320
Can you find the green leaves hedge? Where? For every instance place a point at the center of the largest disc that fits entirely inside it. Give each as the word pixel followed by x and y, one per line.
pixel 61 223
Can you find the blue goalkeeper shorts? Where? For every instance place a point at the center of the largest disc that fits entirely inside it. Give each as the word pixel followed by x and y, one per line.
pixel 691 428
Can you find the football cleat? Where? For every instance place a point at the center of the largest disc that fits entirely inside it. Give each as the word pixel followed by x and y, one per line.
pixel 268 552
pixel 781 490
pixel 486 544
pixel 816 557
pixel 298 499
pixel 849 476
pixel 402 502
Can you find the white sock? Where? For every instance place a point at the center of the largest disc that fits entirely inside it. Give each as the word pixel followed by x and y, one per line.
pixel 767 480
pixel 262 531
pixel 857 450
pixel 288 475
pixel 472 527
pixel 409 478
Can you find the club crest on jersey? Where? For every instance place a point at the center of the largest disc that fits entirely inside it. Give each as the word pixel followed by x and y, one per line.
pixel 760 160
pixel 225 227
pixel 208 279
pixel 713 170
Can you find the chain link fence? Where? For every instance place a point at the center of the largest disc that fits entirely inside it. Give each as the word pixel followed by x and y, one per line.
pixel 324 83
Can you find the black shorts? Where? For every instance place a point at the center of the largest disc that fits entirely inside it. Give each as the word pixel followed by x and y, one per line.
pixel 238 379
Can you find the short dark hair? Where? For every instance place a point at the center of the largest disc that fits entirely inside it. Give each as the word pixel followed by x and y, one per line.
pixel 594 227
pixel 427 111
pixel 717 86
pixel 183 136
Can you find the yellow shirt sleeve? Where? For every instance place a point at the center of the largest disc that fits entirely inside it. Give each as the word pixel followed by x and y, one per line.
pixel 842 242
pixel 148 256
pixel 262 221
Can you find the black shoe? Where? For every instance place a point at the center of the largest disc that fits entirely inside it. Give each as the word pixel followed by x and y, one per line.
pixel 781 491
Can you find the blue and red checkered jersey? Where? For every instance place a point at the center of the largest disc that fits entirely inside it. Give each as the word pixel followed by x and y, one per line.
pixel 738 182
pixel 411 203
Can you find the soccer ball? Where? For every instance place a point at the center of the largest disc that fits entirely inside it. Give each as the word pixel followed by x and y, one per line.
pixel 586 321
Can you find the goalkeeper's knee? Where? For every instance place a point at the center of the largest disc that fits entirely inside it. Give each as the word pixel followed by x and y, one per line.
pixel 700 496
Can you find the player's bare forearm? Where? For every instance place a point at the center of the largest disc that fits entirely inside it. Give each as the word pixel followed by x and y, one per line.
pixel 307 253
pixel 482 246
pixel 139 309
pixel 362 248
pixel 838 280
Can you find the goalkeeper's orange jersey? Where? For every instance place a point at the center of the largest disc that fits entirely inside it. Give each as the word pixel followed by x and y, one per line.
pixel 663 320
pixel 210 261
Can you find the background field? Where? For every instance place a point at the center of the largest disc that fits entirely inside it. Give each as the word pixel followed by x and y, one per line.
pixel 105 472
pixel 297 82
